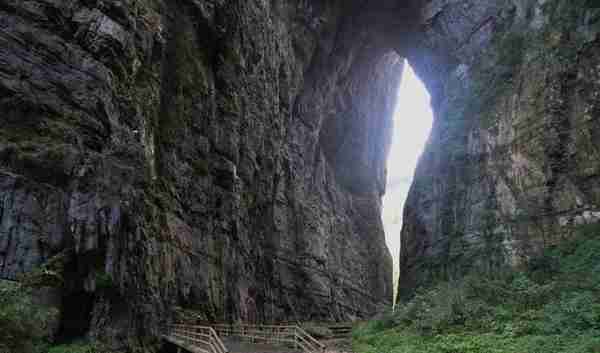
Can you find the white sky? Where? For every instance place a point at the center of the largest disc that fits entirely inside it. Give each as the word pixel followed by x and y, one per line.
pixel 412 124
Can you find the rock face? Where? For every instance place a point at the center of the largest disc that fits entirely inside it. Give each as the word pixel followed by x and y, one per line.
pixel 197 153
pixel 512 165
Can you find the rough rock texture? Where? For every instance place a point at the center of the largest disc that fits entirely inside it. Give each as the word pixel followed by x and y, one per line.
pixel 197 153
pixel 512 164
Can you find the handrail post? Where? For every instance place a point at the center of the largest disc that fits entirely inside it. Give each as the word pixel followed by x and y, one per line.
pixel 295 339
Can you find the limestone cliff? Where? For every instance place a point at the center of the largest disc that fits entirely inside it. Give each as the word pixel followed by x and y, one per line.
pixel 193 153
pixel 512 164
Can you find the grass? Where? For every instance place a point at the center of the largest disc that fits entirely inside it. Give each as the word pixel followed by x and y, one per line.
pixel 551 306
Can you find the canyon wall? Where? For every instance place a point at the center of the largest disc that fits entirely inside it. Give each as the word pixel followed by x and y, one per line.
pixel 513 162
pixel 196 153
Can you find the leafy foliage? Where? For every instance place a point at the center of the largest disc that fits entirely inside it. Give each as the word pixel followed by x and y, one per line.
pixel 543 308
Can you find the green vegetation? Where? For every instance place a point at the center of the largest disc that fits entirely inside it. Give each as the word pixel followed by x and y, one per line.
pixel 78 347
pixel 551 306
pixel 23 325
pixel 26 326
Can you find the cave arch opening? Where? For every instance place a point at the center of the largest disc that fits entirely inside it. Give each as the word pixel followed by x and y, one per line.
pixel 412 123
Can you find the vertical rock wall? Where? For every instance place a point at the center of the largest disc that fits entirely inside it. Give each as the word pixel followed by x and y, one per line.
pixel 512 164
pixel 195 153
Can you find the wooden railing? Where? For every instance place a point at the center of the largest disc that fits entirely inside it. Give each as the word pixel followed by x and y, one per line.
pixel 282 334
pixel 202 338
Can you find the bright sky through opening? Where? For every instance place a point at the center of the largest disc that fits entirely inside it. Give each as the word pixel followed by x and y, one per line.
pixel 412 125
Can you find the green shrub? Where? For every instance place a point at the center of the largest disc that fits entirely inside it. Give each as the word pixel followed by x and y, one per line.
pixel 384 321
pixel 23 325
pixel 574 312
pixel 438 309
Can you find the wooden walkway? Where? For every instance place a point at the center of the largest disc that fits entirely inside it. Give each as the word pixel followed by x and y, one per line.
pixel 195 339
pixel 242 339
pixel 242 346
pixel 283 335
